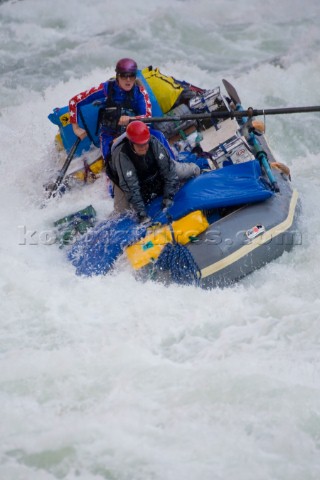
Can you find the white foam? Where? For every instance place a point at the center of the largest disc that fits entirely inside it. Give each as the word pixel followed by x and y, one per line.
pixel 110 378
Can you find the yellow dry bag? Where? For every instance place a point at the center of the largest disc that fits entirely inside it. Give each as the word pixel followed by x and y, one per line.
pixel 165 89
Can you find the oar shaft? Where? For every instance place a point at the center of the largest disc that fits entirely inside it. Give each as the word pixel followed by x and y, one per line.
pixel 68 161
pixel 281 111
pixel 64 169
pixel 250 112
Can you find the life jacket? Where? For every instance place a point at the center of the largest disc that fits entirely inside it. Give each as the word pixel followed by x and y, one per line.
pixel 126 105
pixel 110 119
pixel 146 166
pixel 166 89
pixel 150 177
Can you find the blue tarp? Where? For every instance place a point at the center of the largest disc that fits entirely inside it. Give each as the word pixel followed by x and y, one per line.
pixel 230 186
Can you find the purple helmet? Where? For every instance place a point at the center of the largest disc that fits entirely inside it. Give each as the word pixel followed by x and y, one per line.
pixel 126 65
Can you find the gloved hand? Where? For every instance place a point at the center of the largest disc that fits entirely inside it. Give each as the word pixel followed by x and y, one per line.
pixel 167 203
pixel 145 221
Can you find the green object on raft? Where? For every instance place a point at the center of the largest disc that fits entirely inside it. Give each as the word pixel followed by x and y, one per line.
pixel 71 227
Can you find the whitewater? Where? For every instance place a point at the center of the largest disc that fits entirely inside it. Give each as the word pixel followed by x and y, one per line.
pixel 109 378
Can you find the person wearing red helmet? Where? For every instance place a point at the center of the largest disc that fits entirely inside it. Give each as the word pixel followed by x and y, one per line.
pixel 138 133
pixel 142 170
pixel 121 98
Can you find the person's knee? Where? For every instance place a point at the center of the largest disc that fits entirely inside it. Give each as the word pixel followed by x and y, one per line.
pixel 195 170
pixel 187 170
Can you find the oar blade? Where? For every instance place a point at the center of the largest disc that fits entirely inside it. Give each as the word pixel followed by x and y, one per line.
pixel 231 91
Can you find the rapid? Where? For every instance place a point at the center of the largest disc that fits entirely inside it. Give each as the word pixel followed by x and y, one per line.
pixel 107 378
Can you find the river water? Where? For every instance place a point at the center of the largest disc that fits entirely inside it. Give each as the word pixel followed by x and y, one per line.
pixel 109 378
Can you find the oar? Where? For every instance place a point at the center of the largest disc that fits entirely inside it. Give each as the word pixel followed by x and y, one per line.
pixel 250 112
pixel 231 91
pixel 63 171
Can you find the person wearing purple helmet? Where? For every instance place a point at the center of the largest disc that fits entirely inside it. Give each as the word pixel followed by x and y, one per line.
pixel 122 98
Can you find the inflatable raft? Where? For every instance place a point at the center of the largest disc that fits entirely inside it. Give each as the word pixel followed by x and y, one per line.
pixel 238 215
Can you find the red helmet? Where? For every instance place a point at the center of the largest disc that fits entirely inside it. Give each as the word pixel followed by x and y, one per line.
pixel 126 65
pixel 138 132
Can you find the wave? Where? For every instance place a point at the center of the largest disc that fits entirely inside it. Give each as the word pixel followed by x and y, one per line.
pixel 111 378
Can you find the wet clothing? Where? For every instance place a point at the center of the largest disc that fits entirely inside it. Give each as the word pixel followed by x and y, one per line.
pixel 135 103
pixel 143 178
